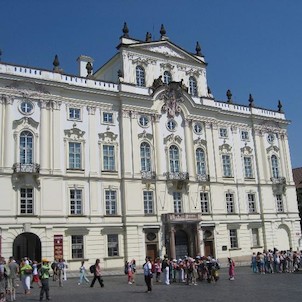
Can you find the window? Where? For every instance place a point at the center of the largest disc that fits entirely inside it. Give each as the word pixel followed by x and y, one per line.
pixel 244 135
pixel 26 201
pixel 270 138
pixel 226 164
pixel 200 162
pixel 204 202
pixel 223 132
pixel 26 147
pixel 26 107
pixel 251 202
pixel 174 159
pixel 255 237
pixel 145 157
pixel 75 202
pixel 144 121
pixel 112 241
pixel 230 203
pixel 177 202
pixel 197 128
pixel 140 76
pixel 248 170
pixel 233 238
pixel 279 201
pixel 110 198
pixel 108 117
pixel 109 158
pixel 75 156
pixel 167 77
pixel 77 247
pixel 275 166
pixel 171 125
pixel 192 86
pixel 74 113
pixel 148 202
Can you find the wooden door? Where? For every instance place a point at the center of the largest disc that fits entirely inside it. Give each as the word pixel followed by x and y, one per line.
pixel 152 251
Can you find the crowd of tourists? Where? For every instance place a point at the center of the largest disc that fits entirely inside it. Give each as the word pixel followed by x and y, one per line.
pixel 274 261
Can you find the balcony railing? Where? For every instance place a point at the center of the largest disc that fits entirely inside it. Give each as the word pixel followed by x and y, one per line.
pixel 203 177
pixel 26 168
pixel 278 180
pixel 177 175
pixel 148 175
pixel 181 217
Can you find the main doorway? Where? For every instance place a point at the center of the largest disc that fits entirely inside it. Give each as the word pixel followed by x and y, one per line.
pixel 27 245
pixel 181 244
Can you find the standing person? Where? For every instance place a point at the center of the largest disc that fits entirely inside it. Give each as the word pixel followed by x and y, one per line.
pixel 133 267
pixel 26 273
pixel 83 274
pixel 11 280
pixel 128 271
pixel 166 269
pixel 60 269
pixel 2 279
pixel 231 269
pixel 54 267
pixel 44 276
pixel 35 278
pixel 97 274
pixel 65 267
pixel 148 274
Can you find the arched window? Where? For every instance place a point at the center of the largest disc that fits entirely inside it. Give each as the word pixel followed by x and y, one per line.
pixel 26 147
pixel 174 159
pixel 140 76
pixel 192 86
pixel 275 166
pixel 145 157
pixel 167 77
pixel 200 162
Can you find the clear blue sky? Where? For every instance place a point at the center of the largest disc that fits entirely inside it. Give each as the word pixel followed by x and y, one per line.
pixel 251 46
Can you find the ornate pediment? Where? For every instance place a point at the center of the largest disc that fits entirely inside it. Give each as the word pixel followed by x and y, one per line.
pixel 272 149
pixel 146 135
pixel 108 137
pixel 74 133
pixel 172 138
pixel 200 142
pixel 225 148
pixel 25 121
pixel 165 50
pixel 246 150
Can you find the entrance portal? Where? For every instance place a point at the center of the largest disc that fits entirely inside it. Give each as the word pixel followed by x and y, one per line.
pixel 27 245
pixel 181 244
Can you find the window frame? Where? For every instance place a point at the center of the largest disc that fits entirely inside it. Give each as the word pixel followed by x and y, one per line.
pixel 144 121
pixel 75 158
pixel 177 202
pixel 255 233
pixel 26 107
pixel 193 88
pixel 171 125
pixel 26 148
pixel 148 197
pixel 200 162
pixel 167 77
pixel 113 251
pixel 72 116
pixel 204 202
pixel 109 158
pixel 233 236
pixel 223 132
pixel 145 157
pixel 227 165
pixel 279 203
pixel 140 76
pixel 110 202
pixel 77 240
pixel 245 136
pixel 76 201
pixel 230 203
pixel 174 159
pixel 26 202
pixel 248 167
pixel 110 120
pixel 275 166
pixel 252 206
pixel 197 128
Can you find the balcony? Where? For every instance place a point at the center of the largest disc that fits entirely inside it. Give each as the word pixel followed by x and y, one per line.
pixel 148 175
pixel 26 168
pixel 177 175
pixel 203 177
pixel 181 217
pixel 278 180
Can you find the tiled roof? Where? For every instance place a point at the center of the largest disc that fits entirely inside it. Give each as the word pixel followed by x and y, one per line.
pixel 297 174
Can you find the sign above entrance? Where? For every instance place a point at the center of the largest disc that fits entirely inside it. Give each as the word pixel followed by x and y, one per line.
pixel 58 246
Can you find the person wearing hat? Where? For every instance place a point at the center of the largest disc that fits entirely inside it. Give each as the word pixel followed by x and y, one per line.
pixel 44 276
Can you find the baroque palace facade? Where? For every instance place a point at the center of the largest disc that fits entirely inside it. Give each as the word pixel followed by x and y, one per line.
pixel 138 158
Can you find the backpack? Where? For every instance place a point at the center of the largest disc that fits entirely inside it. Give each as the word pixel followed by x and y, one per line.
pixel 92 269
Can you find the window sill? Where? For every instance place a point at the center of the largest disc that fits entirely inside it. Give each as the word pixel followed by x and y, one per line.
pixel 249 178
pixel 113 257
pixel 235 249
pixel 112 215
pixel 257 247
pixel 228 177
pixel 27 215
pixel 69 170
pixel 77 215
pixel 77 259
pixel 109 171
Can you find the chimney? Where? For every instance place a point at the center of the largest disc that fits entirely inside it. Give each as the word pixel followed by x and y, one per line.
pixel 83 60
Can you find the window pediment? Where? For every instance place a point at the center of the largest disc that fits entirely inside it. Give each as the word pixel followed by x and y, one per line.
pixel 272 149
pixel 74 133
pixel 246 150
pixel 225 148
pixel 172 138
pixel 25 121
pixel 146 135
pixel 108 137
pixel 200 142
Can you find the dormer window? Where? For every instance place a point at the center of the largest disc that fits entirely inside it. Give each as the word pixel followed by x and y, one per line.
pixel 167 77
pixel 192 86
pixel 140 76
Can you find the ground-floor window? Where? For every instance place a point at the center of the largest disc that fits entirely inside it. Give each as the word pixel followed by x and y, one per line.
pixel 233 238
pixel 112 241
pixel 26 201
pixel 255 237
pixel 77 246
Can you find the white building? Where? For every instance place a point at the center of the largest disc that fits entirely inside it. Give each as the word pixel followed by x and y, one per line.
pixel 139 158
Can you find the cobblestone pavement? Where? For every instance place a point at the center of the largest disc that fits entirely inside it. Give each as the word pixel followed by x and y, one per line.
pixel 247 287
